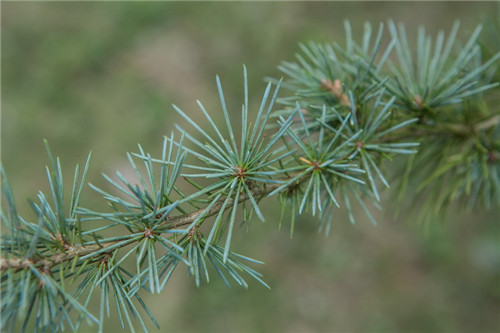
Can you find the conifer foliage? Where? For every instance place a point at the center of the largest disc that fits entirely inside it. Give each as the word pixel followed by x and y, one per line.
pixel 346 112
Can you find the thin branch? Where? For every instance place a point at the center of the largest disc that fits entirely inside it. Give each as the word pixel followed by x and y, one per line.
pixel 82 250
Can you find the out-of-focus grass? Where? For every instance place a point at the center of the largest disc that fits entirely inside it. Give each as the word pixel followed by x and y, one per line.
pixel 102 76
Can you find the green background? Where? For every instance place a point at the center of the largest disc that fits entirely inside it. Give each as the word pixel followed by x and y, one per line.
pixel 102 76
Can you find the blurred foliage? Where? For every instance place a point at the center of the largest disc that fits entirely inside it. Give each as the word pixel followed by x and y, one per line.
pixel 102 77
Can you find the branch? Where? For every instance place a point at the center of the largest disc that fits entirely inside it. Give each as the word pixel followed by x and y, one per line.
pixel 483 125
pixel 82 250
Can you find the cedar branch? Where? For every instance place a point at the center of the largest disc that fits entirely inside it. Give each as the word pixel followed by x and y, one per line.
pixel 80 250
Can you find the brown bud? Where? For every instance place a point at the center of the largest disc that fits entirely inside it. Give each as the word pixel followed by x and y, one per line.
pixel 418 101
pixel 335 88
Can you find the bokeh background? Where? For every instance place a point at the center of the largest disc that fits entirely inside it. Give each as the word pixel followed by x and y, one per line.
pixel 102 76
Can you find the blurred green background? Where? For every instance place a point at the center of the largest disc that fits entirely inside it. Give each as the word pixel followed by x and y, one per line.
pixel 102 76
